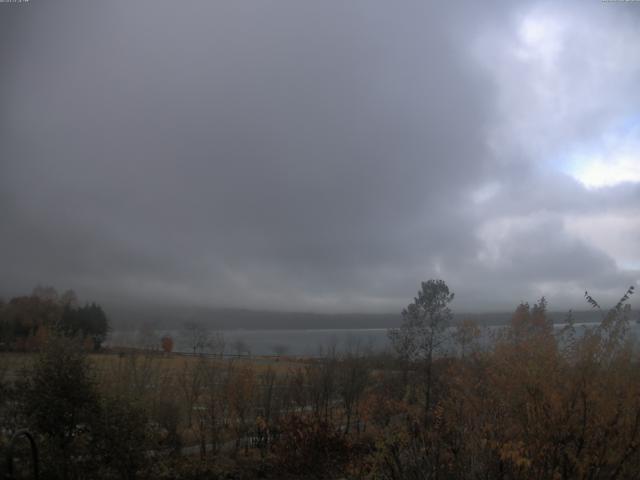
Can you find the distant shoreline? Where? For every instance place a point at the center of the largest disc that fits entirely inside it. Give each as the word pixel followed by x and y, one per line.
pixel 174 318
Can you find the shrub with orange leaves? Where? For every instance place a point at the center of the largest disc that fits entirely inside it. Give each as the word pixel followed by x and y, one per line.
pixel 310 446
pixel 167 344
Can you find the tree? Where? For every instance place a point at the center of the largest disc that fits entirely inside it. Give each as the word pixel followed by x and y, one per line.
pixel 197 336
pixel 240 394
pixel 26 320
pixel 97 324
pixel 309 447
pixel 46 293
pixel 69 298
pixel 121 437
pixel 88 321
pixel 422 331
pixel 466 335
pixel 22 317
pixel 321 379
pixel 191 383
pixel 353 377
pixel 214 402
pixel 217 343
pixel 167 344
pixel 241 347
pixel 60 400
pixel 530 322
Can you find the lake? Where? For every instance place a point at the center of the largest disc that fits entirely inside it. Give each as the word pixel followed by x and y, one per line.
pixel 285 342
pixel 265 342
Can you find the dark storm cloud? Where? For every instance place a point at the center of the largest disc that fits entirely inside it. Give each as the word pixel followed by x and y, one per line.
pixel 289 155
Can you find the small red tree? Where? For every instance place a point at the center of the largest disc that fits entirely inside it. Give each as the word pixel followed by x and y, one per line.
pixel 167 344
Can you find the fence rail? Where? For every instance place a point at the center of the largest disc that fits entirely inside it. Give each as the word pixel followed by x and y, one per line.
pixel 10 475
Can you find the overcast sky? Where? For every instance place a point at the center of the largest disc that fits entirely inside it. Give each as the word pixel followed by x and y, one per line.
pixel 320 155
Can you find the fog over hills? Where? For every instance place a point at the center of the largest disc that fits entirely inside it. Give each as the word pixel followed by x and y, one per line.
pixel 169 318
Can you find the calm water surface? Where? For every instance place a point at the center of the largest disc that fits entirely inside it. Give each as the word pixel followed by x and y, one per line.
pixel 290 342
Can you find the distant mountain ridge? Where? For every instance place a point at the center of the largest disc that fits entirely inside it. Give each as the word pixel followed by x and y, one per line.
pixel 131 318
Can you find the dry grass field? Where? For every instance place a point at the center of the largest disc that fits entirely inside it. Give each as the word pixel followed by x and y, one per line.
pixel 12 364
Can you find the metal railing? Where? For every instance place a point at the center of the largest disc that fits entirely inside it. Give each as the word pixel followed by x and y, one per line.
pixel 10 472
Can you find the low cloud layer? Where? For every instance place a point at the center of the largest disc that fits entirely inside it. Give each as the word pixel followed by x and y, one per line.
pixel 323 156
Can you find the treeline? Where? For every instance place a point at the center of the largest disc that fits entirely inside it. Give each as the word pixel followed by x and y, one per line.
pixel 27 321
pixel 170 317
pixel 533 403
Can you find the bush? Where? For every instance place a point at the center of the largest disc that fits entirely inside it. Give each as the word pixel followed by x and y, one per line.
pixel 309 446
pixel 59 401
pixel 123 440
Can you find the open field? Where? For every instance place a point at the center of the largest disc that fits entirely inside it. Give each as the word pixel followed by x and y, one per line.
pixel 13 363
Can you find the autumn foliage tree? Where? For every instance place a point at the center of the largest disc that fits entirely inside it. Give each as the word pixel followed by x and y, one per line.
pixel 27 321
pixel 167 344
pixel 534 404
pixel 422 332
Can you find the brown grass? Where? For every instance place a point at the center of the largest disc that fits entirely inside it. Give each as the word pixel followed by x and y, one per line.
pixel 13 363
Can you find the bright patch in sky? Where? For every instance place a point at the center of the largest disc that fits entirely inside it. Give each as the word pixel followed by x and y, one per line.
pixel 540 39
pixel 616 160
pixel 597 172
